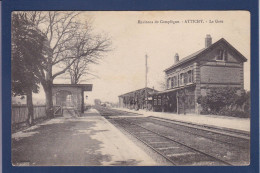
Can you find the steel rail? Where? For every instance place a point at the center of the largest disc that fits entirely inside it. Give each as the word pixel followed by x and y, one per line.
pixel 234 133
pixel 225 132
pixel 154 149
pixel 120 111
pixel 187 125
pixel 194 149
pixel 193 133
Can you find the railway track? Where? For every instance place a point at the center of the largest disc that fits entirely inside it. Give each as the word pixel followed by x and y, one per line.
pixel 208 127
pixel 112 112
pixel 178 142
pixel 234 139
pixel 228 136
pixel 177 153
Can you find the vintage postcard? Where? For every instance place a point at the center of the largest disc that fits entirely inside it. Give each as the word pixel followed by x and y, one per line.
pixel 130 88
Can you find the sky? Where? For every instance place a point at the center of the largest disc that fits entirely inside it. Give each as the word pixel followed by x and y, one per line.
pixel 135 34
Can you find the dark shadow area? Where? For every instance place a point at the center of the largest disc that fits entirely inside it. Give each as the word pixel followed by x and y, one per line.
pixel 65 143
pixel 129 162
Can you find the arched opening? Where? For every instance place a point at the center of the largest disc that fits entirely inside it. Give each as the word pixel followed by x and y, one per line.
pixel 64 98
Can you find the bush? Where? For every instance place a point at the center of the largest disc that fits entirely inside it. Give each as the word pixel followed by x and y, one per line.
pixel 234 113
pixel 226 101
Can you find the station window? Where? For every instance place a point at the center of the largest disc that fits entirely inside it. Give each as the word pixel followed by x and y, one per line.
pixel 159 100
pixel 168 83
pixel 172 82
pixel 190 76
pixel 185 78
pixel 181 79
pixel 222 55
pixel 155 100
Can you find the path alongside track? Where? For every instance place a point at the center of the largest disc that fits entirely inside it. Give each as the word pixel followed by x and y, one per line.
pixel 76 141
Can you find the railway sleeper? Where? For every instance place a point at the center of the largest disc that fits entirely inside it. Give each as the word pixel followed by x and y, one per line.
pixel 192 158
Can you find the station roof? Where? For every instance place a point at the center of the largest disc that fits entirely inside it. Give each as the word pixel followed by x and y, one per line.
pixel 175 89
pixel 84 87
pixel 150 90
pixel 200 52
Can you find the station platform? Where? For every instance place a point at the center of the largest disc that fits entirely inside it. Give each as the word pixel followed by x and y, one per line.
pixel 235 123
pixel 89 140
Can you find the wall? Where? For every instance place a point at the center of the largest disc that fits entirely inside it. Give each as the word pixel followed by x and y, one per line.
pixel 228 72
pixel 220 75
pixel 177 71
pixel 186 100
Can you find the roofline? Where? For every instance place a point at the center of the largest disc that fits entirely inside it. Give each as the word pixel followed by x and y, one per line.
pixel 84 87
pixel 138 90
pixel 175 89
pixel 243 57
pixel 71 85
pixel 208 48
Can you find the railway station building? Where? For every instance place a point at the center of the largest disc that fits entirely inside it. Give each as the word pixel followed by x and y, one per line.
pixel 137 99
pixel 216 65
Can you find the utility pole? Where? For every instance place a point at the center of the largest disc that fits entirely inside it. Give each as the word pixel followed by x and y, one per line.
pixel 146 71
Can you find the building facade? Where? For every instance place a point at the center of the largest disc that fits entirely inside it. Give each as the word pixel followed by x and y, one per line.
pixel 138 99
pixel 216 65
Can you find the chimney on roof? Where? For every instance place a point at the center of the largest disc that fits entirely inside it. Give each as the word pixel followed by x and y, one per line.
pixel 208 40
pixel 176 58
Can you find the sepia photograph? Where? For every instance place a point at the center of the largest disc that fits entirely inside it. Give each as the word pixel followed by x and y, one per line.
pixel 130 88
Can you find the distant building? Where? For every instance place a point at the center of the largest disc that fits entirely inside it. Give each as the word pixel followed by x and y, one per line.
pixel 216 65
pixel 137 99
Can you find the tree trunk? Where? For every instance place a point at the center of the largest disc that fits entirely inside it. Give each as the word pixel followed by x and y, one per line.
pixel 48 94
pixel 47 86
pixel 30 119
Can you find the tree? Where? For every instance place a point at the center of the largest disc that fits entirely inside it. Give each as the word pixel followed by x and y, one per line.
pixel 27 57
pixel 80 68
pixel 218 98
pixel 226 101
pixel 79 71
pixel 69 41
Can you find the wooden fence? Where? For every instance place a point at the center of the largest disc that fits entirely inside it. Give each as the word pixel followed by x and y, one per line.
pixel 20 113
